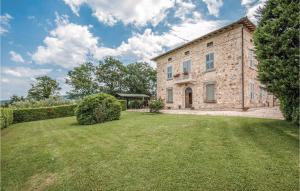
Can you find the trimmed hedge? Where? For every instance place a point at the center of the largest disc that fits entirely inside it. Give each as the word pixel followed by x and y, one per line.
pixel 6 117
pixel 34 114
pixel 123 104
pixel 98 108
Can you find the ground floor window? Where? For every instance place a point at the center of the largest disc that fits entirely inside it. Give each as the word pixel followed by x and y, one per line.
pixel 210 92
pixel 169 95
pixel 251 90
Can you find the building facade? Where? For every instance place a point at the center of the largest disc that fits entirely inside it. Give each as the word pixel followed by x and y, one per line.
pixel 215 71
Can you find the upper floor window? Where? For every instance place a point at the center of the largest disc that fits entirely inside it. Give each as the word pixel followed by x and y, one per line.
pixel 169 72
pixel 169 95
pixel 251 90
pixel 209 61
pixel 170 59
pixel 251 58
pixel 210 44
pixel 187 66
pixel 186 53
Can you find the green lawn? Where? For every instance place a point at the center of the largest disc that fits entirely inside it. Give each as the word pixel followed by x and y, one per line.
pixel 151 152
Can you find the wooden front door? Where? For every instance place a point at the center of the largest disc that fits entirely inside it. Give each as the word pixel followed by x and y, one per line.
pixel 188 97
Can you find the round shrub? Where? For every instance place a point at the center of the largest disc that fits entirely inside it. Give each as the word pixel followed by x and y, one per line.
pixel 156 105
pixel 98 108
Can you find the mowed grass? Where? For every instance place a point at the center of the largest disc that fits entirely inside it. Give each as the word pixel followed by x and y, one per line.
pixel 142 151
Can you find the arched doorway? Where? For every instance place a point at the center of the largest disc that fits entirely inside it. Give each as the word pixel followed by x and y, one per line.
pixel 188 97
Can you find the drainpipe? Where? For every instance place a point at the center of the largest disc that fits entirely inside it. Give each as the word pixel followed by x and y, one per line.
pixel 243 89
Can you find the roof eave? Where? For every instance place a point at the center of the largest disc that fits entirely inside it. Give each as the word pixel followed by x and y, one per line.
pixel 244 20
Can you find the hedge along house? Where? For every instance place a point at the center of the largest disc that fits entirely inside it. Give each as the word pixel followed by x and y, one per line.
pixel 215 71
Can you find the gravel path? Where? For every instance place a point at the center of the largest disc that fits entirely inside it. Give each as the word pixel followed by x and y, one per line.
pixel 264 112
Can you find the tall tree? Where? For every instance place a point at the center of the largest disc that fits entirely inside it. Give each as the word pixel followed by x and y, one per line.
pixel 140 78
pixel 43 88
pixel 277 48
pixel 14 98
pixel 82 81
pixel 110 75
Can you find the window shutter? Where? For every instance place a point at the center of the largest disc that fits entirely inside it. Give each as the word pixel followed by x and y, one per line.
pixel 210 92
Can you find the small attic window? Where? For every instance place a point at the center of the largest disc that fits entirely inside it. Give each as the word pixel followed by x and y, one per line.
pixel 251 40
pixel 170 59
pixel 210 44
pixel 187 52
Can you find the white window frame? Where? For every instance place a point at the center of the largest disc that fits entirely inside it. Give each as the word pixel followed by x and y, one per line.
pixel 185 62
pixel 171 73
pixel 210 62
pixel 251 91
pixel 251 59
pixel 169 99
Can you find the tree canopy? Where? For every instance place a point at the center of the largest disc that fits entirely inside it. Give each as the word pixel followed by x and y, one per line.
pixel 43 88
pixel 112 76
pixel 277 49
pixel 82 81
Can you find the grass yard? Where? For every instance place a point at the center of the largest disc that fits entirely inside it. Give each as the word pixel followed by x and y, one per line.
pixel 151 152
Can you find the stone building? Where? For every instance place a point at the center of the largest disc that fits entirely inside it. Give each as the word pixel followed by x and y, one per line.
pixel 215 71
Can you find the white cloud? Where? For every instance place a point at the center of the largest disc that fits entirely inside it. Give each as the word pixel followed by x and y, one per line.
pixel 184 8
pixel 67 45
pixel 137 12
pixel 251 7
pixel 24 72
pixel 247 2
pixel 4 23
pixel 147 45
pixel 213 6
pixel 16 57
pixel 70 44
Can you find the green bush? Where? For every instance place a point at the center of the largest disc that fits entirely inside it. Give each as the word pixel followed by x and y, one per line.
pixel 98 108
pixel 34 114
pixel 123 104
pixel 156 105
pixel 290 109
pixel 6 117
pixel 135 104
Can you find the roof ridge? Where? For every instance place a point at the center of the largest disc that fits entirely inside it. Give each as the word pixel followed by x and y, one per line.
pixel 244 20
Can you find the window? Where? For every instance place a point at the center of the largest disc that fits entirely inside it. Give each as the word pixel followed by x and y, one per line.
pixel 251 90
pixel 187 66
pixel 169 95
pixel 169 72
pixel 169 59
pixel 261 93
pixel 251 58
pixel 210 44
pixel 210 61
pixel 210 92
pixel 187 53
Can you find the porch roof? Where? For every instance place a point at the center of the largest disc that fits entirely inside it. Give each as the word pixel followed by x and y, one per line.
pixel 133 95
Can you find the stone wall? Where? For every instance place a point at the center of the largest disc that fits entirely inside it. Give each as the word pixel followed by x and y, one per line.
pixel 261 96
pixel 227 73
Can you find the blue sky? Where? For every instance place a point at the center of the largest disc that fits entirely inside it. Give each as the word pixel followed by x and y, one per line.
pixel 52 37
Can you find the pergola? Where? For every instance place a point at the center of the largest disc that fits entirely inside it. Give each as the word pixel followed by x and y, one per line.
pixel 128 97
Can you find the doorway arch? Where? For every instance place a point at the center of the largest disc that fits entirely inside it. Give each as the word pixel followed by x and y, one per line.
pixel 188 97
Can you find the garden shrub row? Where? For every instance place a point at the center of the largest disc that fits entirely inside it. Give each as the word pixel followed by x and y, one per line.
pixel 34 114
pixel 123 104
pixel 6 117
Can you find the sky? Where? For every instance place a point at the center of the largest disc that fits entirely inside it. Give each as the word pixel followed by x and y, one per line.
pixel 52 37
